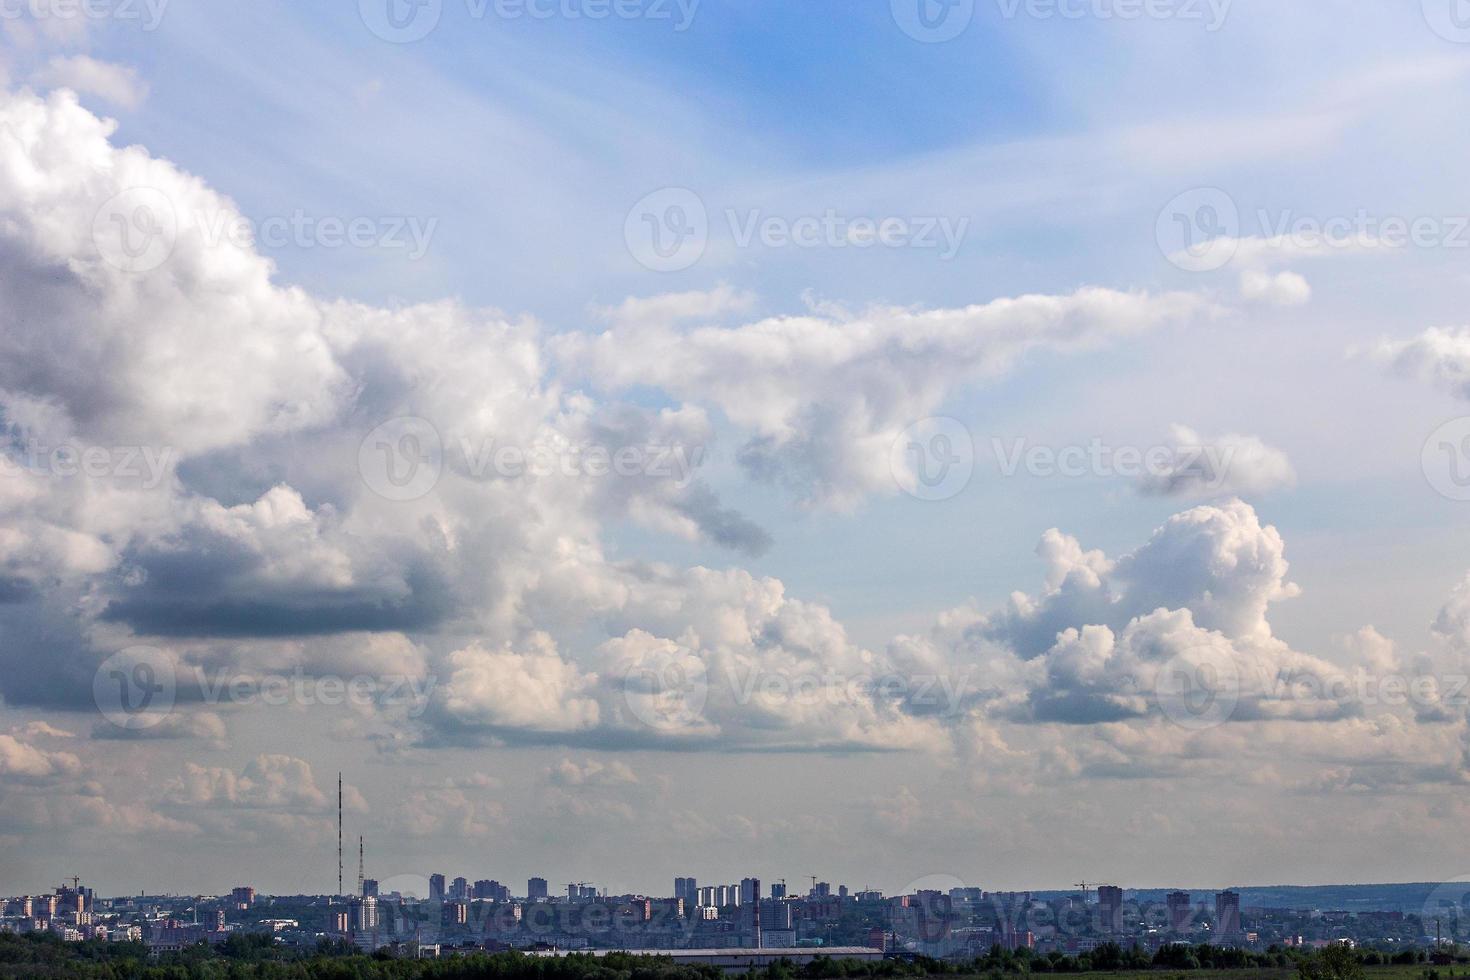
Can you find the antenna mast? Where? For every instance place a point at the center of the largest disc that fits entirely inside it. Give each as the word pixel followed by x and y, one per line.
pixel 360 892
pixel 339 834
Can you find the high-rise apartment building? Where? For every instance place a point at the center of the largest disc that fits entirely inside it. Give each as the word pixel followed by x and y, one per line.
pixel 365 914
pixel 750 891
pixel 1181 914
pixel 490 891
pixel 775 916
pixel 1110 908
pixel 436 888
pixel 688 890
pixel 1227 913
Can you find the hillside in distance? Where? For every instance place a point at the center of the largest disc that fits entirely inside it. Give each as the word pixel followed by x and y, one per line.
pixel 1402 897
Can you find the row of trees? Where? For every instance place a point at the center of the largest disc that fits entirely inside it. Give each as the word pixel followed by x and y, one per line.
pixel 256 957
pixel 1111 957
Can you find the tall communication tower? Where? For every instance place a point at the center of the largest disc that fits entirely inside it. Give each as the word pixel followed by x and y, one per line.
pixel 360 892
pixel 339 834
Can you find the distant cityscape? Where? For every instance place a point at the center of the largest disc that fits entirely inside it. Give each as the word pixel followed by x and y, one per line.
pixel 708 921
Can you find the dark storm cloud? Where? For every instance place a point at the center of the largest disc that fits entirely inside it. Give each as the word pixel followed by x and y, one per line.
pixel 724 526
pixel 46 659
pixel 177 603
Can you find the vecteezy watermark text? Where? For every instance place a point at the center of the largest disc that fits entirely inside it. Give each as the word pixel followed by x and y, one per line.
pixel 673 691
pixel 298 229
pixel 1200 230
pixel 936 21
pixel 145 466
pixel 138 688
pixel 1098 458
pixel 1211 13
pixel 1365 229
pixel 669 230
pixel 1203 687
pixel 147 13
pixel 678 13
pixel 406 21
pixel 138 229
pixel 832 229
pixel 326 690
pixel 404 458
pixel 935 458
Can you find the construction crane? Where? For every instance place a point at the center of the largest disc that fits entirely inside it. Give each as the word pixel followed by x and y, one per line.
pixel 1085 891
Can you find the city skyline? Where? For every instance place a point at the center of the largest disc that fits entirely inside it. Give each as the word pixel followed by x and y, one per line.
pixel 550 887
pixel 731 925
pixel 1016 442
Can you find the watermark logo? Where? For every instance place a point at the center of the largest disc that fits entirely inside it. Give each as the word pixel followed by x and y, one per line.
pixel 1365 230
pixel 1445 459
pixel 409 234
pixel 137 688
pixel 1160 466
pixel 148 12
pixel 134 688
pixel 401 21
pixel 402 459
pixel 1446 911
pixel 937 695
pixel 1450 19
pixel 929 912
pixel 932 21
pixel 313 690
pixel 667 691
pixel 406 21
pixel 668 230
pixel 145 467
pixel 832 229
pixel 136 230
pixel 933 459
pixel 1210 13
pixel 1198 688
pixel 1198 230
